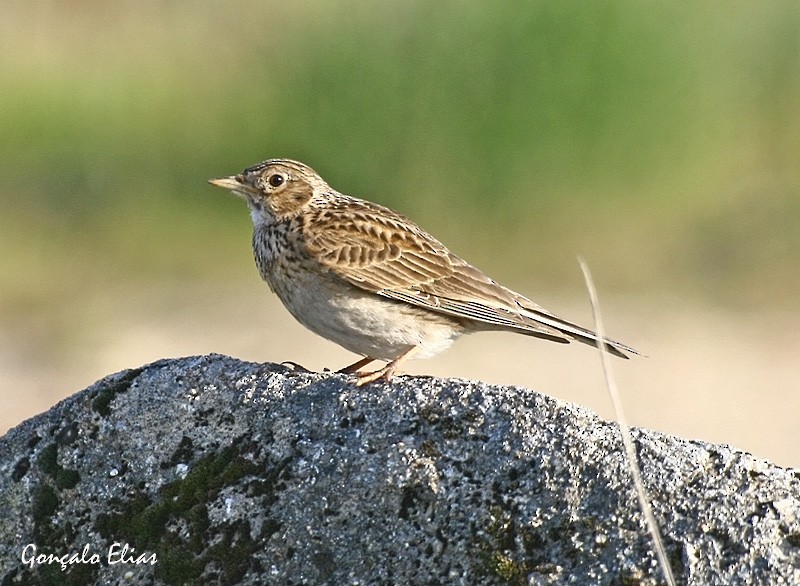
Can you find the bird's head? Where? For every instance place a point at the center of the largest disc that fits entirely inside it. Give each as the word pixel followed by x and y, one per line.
pixel 276 189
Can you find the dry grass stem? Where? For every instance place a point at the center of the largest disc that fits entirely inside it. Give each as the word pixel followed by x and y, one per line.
pixel 627 440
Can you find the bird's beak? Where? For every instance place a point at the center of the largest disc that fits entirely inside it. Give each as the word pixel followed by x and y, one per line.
pixel 235 183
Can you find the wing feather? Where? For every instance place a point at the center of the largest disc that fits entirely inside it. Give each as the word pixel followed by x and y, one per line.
pixel 381 251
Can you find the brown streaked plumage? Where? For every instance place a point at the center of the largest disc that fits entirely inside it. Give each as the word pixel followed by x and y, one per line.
pixel 370 279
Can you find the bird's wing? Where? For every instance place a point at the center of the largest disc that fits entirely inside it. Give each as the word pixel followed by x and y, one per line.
pixel 383 252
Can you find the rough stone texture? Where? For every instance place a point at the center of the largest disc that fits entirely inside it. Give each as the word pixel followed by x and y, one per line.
pixel 232 472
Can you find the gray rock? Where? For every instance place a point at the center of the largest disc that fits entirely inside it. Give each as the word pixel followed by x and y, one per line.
pixel 225 472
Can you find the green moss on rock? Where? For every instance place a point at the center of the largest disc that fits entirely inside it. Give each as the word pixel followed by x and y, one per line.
pixel 184 557
pixel 102 401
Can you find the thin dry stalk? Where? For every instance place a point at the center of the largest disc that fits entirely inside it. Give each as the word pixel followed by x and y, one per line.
pixel 627 440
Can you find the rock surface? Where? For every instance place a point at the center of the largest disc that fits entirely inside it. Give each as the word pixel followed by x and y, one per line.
pixel 225 472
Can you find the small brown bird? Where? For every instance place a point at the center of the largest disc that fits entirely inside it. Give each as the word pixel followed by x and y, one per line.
pixel 370 279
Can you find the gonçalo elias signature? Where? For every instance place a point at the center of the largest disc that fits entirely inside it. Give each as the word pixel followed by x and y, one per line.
pixel 117 553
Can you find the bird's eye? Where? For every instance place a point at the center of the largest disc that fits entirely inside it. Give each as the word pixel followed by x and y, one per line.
pixel 276 180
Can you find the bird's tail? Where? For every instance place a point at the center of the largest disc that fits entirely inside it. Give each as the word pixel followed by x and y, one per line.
pixel 573 331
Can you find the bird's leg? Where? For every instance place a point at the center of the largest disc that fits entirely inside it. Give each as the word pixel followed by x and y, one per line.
pixel 387 371
pixel 356 365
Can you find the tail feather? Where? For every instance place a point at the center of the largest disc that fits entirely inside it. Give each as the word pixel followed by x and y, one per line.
pixel 576 332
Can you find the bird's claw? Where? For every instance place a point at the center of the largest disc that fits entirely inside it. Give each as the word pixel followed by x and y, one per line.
pixel 294 367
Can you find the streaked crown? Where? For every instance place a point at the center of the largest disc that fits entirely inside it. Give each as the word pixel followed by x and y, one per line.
pixel 278 187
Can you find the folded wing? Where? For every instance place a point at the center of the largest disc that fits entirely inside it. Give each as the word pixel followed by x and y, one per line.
pixel 383 252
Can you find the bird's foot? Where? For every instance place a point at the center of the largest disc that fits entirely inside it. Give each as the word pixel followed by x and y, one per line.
pixel 387 371
pixel 384 373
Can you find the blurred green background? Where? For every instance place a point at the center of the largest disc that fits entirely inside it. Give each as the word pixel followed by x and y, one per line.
pixel 659 140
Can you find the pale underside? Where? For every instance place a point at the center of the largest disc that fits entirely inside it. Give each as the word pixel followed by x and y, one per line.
pixel 363 322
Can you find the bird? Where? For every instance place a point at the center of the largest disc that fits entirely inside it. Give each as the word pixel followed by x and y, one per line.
pixel 371 280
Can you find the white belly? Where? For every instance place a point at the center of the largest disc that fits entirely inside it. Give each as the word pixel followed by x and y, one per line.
pixel 363 322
